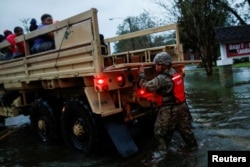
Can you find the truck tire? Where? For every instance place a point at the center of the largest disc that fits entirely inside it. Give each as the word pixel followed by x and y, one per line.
pixel 44 121
pixel 78 127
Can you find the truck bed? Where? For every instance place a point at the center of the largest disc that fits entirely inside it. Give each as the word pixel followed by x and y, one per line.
pixel 77 54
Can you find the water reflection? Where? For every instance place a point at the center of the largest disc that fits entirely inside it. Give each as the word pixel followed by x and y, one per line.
pixel 241 74
pixel 216 106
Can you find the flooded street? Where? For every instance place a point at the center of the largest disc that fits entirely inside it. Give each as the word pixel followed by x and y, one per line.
pixel 221 121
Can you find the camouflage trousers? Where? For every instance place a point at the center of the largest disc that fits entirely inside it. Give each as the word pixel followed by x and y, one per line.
pixel 169 119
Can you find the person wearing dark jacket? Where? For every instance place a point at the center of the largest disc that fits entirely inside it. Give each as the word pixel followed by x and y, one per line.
pixel 33 25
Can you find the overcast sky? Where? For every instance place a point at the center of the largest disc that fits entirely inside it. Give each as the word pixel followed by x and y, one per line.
pixel 12 11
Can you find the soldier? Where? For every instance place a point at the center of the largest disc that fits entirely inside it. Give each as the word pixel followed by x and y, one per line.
pixel 173 114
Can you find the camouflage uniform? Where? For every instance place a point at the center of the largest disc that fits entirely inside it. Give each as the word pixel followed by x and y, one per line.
pixel 171 116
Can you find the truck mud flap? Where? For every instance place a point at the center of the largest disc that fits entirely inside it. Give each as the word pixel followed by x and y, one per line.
pixel 121 138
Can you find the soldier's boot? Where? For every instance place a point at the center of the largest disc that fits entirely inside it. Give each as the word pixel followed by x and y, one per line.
pixel 193 145
pixel 191 142
pixel 161 152
pixel 157 154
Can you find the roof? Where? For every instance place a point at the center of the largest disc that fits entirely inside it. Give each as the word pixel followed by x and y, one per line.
pixel 234 34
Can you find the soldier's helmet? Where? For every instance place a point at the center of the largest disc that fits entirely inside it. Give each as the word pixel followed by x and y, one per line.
pixel 163 58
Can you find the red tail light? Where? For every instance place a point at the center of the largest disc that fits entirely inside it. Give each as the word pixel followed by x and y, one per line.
pixel 121 81
pixel 100 81
pixel 119 78
pixel 101 84
pixel 141 92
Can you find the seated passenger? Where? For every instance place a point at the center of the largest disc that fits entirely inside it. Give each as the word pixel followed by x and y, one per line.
pixel 17 48
pixel 33 25
pixel 44 42
pixel 7 52
pixel 104 48
pixel 7 33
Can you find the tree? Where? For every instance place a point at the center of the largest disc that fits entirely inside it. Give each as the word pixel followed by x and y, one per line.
pixel 238 11
pixel 25 22
pixel 197 22
pixel 133 24
pixel 198 18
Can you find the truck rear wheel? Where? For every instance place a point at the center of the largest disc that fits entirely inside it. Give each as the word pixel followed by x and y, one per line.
pixel 43 120
pixel 78 127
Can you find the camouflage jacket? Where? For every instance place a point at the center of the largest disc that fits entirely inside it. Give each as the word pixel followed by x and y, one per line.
pixel 162 84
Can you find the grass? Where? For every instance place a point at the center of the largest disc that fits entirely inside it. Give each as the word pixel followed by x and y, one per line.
pixel 245 64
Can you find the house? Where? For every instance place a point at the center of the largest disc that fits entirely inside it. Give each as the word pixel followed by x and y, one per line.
pixel 234 43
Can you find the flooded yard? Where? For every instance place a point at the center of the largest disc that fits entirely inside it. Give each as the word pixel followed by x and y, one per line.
pixel 221 121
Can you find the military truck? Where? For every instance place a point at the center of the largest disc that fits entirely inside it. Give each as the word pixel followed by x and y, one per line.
pixel 73 90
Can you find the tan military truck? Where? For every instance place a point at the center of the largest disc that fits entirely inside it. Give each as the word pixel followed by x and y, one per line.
pixel 73 90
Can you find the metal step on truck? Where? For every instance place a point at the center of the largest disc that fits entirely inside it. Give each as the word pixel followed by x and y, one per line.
pixel 73 90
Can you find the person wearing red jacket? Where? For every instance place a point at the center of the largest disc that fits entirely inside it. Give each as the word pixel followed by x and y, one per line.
pixel 17 48
pixel 173 114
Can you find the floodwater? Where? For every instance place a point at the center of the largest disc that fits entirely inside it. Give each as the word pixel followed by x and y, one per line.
pixel 221 121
